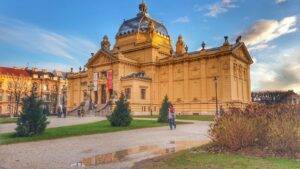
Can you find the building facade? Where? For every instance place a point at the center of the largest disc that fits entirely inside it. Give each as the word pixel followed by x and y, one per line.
pixel 275 97
pixel 15 83
pixel 143 65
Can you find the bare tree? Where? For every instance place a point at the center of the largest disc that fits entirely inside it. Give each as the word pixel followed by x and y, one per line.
pixel 18 87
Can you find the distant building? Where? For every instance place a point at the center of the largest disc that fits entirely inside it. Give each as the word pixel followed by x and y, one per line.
pixel 15 83
pixel 276 97
pixel 144 66
pixel 49 87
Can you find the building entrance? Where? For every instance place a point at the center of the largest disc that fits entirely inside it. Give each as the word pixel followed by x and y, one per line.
pixel 103 94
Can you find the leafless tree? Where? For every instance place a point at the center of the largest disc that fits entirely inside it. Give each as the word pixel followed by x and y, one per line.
pixel 18 87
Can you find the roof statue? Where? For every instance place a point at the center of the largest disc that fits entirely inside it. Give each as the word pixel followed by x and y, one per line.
pixel 105 44
pixel 181 48
pixel 203 45
pixel 143 8
pixel 226 42
pixel 238 39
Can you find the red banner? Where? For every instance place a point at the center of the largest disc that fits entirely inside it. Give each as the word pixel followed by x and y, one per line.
pixel 109 80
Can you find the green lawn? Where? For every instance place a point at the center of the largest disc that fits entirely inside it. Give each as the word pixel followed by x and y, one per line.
pixel 4 120
pixel 187 117
pixel 77 130
pixel 201 160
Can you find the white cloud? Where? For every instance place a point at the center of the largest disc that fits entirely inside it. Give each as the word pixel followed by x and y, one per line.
pixel 261 32
pixel 260 47
pixel 279 73
pixel 280 1
pixel 215 9
pixel 52 66
pixel 183 19
pixel 38 40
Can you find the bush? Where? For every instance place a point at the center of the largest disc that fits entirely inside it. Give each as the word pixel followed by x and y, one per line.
pixel 233 131
pixel 32 120
pixel 274 127
pixel 283 133
pixel 163 111
pixel 121 115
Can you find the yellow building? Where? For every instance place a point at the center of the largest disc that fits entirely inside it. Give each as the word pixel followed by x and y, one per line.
pixel 143 65
pixel 15 83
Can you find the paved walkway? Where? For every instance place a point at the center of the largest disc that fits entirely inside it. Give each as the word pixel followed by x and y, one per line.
pixel 110 150
pixel 55 122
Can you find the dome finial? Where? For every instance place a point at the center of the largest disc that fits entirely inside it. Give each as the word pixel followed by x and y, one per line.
pixel 143 8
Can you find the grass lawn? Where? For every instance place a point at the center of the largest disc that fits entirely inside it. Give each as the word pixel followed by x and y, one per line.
pixel 77 130
pixel 201 160
pixel 4 120
pixel 187 117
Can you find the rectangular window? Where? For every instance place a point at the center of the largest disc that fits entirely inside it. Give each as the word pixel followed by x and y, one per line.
pixel 143 94
pixel 128 93
pixel 8 98
pixel 1 96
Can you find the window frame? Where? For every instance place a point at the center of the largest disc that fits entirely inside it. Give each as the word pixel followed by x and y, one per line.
pixel 127 93
pixel 143 94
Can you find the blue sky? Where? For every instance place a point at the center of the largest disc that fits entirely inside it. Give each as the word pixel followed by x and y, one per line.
pixel 59 34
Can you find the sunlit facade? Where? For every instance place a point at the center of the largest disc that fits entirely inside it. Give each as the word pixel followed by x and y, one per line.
pixel 15 83
pixel 143 64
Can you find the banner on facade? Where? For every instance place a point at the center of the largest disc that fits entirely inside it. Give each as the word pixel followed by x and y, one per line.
pixel 109 80
pixel 95 82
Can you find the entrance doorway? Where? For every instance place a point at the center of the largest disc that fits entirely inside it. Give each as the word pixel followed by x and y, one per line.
pixel 103 94
pixel 96 97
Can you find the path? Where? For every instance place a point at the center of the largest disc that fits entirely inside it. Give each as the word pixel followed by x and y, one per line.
pixel 122 149
pixel 55 122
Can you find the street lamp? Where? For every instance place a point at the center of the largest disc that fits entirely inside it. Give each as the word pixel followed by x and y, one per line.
pixel 90 86
pixel 216 90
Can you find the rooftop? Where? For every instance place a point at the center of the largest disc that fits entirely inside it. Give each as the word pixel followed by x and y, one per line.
pixel 141 23
pixel 14 72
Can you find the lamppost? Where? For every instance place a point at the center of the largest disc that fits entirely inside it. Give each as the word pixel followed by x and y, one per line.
pixel 216 90
pixel 90 87
pixel 64 106
pixel 64 93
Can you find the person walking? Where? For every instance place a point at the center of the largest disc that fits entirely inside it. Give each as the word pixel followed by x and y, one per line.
pixel 59 111
pixel 171 117
pixel 64 111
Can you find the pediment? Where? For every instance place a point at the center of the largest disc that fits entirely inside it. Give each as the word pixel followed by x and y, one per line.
pixel 101 57
pixel 241 52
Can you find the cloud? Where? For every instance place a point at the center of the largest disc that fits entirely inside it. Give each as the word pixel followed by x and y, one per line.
pixel 261 47
pixel 215 9
pixel 52 66
pixel 35 39
pixel 263 31
pixel 280 1
pixel 183 19
pixel 279 73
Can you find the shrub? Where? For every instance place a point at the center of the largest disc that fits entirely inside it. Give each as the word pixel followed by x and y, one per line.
pixel 163 111
pixel 274 127
pixel 121 115
pixel 233 131
pixel 32 120
pixel 283 132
